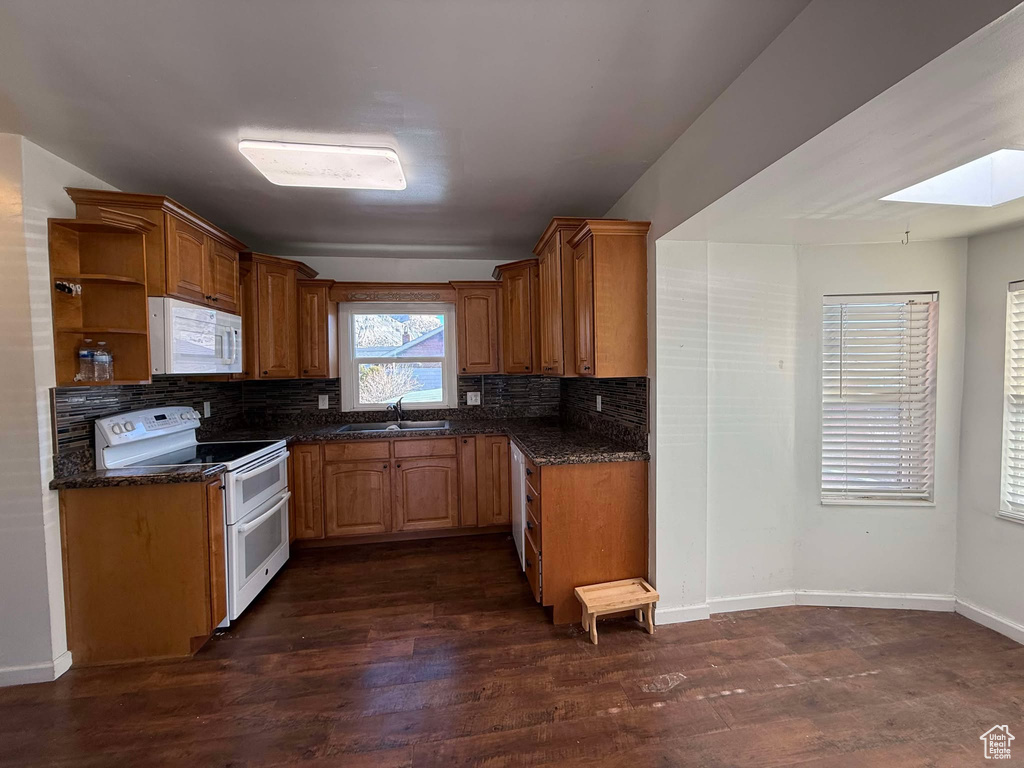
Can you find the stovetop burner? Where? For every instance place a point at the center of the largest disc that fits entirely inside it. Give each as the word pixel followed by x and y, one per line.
pixel 207 453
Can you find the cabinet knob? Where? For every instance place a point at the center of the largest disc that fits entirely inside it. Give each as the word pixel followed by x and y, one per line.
pixel 464 441
pixel 214 298
pixel 586 367
pixel 528 563
pixel 305 370
pixel 398 465
pixel 529 499
pixel 529 471
pixel 529 525
pixel 463 369
pixel 265 373
pixel 385 466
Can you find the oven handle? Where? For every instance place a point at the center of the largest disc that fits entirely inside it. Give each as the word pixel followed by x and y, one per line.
pixel 271 462
pixel 243 529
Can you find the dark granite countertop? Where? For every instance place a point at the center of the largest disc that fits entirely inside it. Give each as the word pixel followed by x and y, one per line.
pixel 545 441
pixel 108 478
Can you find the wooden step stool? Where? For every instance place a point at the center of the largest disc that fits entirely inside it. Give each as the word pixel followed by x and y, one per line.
pixel 614 597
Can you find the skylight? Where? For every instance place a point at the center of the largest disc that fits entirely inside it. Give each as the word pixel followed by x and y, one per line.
pixel 990 180
pixel 325 165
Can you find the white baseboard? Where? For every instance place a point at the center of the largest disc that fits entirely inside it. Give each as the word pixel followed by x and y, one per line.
pixel 906 600
pixel 993 621
pixel 681 613
pixel 824 598
pixel 46 672
pixel 752 602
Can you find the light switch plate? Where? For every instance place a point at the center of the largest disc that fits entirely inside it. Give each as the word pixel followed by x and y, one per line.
pixel 322 402
pixel 598 402
pixel 206 409
pixel 472 398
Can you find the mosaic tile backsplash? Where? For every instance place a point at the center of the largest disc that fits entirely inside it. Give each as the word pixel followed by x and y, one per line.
pixel 233 404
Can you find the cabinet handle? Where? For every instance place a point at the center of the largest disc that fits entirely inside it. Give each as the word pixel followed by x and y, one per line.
pixel 586 367
pixel 214 298
pixel 528 563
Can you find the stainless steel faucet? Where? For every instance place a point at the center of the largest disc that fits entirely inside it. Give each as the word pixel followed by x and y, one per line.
pixel 397 408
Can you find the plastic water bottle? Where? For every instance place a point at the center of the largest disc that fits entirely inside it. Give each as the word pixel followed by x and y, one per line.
pixel 103 363
pixel 86 367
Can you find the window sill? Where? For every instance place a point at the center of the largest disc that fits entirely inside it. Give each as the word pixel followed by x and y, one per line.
pixel 875 503
pixel 405 408
pixel 1010 517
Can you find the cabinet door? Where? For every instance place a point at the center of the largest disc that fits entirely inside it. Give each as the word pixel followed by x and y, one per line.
pixel 550 310
pixel 306 485
pixel 186 256
pixel 357 498
pixel 584 297
pixel 517 327
pixel 222 276
pixel 468 503
pixel 494 497
pixel 476 317
pixel 426 494
pixel 277 326
pixel 313 351
pixel 218 553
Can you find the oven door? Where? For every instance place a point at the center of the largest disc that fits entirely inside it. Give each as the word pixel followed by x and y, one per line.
pixel 257 548
pixel 249 488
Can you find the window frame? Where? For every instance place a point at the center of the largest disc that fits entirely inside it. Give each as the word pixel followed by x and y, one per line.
pixel 1005 511
pixel 349 363
pixel 827 500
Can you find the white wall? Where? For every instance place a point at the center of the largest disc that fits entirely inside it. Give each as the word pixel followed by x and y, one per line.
pixel 360 269
pixel 751 497
pixel 990 550
pixel 896 550
pixel 678 521
pixel 33 644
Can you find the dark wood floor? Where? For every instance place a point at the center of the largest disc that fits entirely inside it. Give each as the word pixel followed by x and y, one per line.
pixel 434 654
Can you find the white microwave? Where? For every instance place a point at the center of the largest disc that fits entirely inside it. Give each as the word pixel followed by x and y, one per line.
pixel 186 338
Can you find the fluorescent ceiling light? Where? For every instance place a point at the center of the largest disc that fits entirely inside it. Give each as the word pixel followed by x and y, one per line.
pixel 325 165
pixel 990 180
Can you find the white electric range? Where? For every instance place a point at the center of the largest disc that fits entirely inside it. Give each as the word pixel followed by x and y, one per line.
pixel 255 486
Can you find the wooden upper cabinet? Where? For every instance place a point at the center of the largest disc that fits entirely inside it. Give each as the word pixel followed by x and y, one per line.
pixel 186 253
pixel 357 498
pixel 611 298
pixel 426 493
pixel 318 330
pixel 583 280
pixel 477 327
pixel 222 276
pixel 518 309
pixel 276 309
pixel 556 314
pixel 187 257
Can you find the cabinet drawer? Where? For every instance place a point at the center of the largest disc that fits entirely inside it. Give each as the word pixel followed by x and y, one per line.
pixel 434 446
pixel 533 502
pixel 533 573
pixel 357 450
pixel 532 472
pixel 533 525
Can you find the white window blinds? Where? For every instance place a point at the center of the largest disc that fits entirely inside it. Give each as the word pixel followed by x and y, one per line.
pixel 878 397
pixel 1012 495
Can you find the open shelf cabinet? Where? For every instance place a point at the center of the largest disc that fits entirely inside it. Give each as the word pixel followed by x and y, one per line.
pixel 103 262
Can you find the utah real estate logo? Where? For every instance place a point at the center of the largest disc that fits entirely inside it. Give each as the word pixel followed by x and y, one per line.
pixel 997 742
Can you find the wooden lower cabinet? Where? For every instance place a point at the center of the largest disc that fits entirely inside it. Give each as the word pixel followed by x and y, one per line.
pixel 357 498
pixel 306 485
pixel 144 570
pixel 426 494
pixel 405 485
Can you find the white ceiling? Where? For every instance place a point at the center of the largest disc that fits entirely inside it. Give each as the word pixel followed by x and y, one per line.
pixel 504 112
pixel 963 105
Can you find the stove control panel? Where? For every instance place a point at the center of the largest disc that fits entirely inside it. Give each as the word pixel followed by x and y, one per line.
pixel 148 423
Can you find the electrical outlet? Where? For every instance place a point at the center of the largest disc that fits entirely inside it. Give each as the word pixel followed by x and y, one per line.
pixel 322 402
pixel 598 402
pixel 472 398
pixel 206 409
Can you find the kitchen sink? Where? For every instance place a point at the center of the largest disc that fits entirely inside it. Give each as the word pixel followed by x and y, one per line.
pixel 394 426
